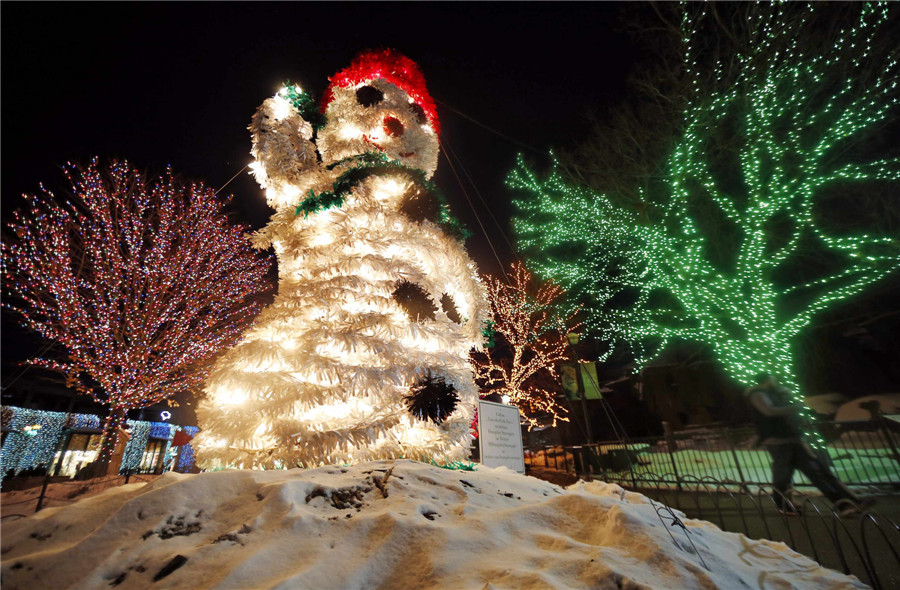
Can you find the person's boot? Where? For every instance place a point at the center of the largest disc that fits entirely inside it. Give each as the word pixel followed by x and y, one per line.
pixel 847 507
pixel 788 508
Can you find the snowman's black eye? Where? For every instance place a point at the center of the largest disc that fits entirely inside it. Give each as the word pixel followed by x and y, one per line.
pixel 419 112
pixel 369 96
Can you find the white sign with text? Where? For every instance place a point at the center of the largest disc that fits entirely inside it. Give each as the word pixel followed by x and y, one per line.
pixel 500 436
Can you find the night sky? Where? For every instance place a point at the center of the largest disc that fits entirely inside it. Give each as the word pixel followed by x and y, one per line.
pixel 177 83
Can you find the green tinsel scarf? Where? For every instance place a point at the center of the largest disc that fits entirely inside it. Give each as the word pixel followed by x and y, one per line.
pixel 371 163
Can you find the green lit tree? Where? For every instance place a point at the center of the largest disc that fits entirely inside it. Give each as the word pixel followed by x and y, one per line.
pixel 736 244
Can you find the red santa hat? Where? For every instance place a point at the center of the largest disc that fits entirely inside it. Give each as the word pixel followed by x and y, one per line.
pixel 391 66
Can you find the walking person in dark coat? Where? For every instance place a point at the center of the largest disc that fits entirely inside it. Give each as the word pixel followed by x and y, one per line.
pixel 777 417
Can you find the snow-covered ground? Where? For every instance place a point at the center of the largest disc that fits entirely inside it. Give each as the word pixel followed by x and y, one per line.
pixel 60 493
pixel 861 408
pixel 358 527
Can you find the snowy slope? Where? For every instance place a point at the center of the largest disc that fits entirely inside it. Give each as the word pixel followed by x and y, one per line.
pixel 852 411
pixel 430 528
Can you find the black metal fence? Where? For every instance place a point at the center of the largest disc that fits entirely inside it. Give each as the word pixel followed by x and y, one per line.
pixel 721 476
pixel 861 454
pixel 865 544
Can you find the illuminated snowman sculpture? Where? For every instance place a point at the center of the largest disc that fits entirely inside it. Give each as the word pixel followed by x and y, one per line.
pixel 363 354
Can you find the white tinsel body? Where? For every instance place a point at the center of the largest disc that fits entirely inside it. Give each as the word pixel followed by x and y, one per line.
pixel 321 376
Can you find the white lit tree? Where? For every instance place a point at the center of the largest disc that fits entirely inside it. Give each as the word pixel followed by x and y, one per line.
pixel 140 283
pixel 363 354
pixel 530 342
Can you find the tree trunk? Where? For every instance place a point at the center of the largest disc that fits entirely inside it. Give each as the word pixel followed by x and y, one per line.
pixel 105 462
pixel 744 363
pixel 109 443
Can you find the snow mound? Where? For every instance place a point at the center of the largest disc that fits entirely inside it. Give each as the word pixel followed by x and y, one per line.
pixel 862 408
pixel 385 524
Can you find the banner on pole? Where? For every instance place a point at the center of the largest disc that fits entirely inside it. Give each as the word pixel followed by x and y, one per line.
pixel 588 382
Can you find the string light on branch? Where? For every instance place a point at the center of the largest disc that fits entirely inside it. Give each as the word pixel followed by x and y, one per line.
pixel 706 258
pixel 133 453
pixel 140 284
pixel 186 455
pixel 522 367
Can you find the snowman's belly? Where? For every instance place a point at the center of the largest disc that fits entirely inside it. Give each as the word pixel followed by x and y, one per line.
pixel 335 378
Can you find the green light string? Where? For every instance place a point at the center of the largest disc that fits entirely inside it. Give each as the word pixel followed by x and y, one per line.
pixel 304 103
pixel 374 163
pixel 456 465
pixel 489 333
pixel 792 110
pixel 315 203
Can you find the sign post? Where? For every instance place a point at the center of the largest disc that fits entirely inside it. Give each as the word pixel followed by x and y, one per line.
pixel 500 436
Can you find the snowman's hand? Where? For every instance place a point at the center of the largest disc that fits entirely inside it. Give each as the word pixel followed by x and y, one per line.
pixel 283 150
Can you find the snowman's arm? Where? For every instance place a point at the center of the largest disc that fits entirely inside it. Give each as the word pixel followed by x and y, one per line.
pixel 283 152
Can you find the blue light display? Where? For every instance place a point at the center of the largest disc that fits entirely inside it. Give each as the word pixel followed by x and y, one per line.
pixel 186 459
pixel 83 422
pixel 34 437
pixel 134 448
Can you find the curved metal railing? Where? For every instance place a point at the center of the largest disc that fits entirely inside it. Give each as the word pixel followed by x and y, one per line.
pixel 865 544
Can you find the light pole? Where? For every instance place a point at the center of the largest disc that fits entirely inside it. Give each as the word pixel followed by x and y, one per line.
pixel 573 339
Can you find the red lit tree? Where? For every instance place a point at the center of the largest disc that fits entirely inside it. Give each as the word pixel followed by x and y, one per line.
pixel 141 284
pixel 530 341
